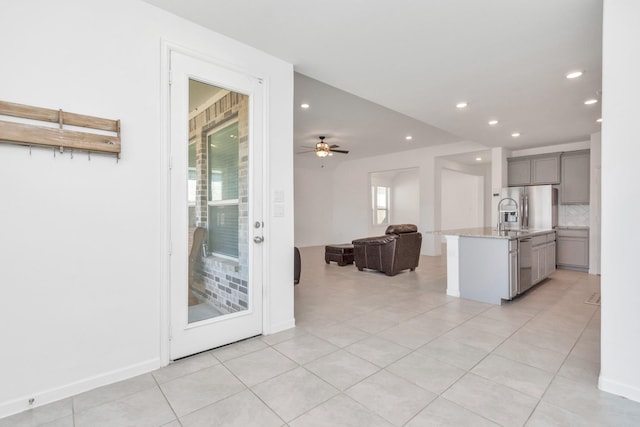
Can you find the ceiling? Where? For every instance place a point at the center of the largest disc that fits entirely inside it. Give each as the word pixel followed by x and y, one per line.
pixel 374 71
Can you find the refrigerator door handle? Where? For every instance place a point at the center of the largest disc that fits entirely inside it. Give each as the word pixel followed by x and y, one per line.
pixel 526 212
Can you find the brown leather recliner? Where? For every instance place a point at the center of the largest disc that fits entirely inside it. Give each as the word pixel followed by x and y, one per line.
pixel 397 250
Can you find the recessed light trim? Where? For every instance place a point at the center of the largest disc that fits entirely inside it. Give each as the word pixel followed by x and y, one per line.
pixel 591 101
pixel 478 159
pixel 599 120
pixel 408 137
pixel 305 105
pixel 573 74
pixel 515 134
pixel 493 122
pixel 462 104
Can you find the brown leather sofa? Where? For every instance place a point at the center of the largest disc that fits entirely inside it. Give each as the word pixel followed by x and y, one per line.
pixel 397 250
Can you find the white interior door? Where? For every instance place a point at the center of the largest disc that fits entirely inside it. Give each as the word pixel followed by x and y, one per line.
pixel 216 205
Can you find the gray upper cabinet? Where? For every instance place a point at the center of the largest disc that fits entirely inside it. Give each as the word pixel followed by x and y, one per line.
pixel 545 169
pixel 519 171
pixel 534 170
pixel 574 187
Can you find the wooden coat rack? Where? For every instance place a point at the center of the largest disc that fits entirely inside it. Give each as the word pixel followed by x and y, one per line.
pixel 39 135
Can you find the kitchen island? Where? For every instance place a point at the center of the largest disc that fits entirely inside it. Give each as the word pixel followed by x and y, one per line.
pixel 487 265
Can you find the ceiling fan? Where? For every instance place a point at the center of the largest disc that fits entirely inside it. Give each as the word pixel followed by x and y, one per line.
pixel 322 149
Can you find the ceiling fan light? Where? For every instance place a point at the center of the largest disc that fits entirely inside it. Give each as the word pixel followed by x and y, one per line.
pixel 322 149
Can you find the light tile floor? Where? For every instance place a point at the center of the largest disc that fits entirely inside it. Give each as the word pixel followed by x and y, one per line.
pixel 372 350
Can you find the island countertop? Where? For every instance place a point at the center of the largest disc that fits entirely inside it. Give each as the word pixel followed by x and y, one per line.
pixel 492 233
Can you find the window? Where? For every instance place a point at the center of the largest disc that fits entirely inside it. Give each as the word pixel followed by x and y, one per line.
pixel 380 204
pixel 223 191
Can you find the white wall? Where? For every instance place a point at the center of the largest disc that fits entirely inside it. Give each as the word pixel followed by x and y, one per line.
pixel 620 370
pixel 483 171
pixel 462 201
pixel 83 276
pixel 405 194
pixel 313 206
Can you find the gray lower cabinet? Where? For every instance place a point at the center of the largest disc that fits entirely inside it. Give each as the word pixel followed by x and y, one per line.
pixel 513 268
pixel 543 254
pixel 551 257
pixel 573 249
pixel 574 186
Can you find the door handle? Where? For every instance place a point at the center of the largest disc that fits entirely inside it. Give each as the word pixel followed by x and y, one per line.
pixel 258 239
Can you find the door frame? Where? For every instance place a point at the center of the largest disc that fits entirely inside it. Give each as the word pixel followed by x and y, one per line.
pixel 167 47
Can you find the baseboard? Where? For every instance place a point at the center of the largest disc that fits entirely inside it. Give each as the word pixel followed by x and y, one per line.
pixel 619 389
pixel 572 268
pixel 48 396
pixel 282 326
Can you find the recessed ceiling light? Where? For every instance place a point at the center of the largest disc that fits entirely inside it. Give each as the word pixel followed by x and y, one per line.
pixel 461 105
pixel 574 74
pixel 478 159
pixel 515 134
pixel 305 106
pixel 590 101
pixel 599 120
pixel 408 137
pixel 493 122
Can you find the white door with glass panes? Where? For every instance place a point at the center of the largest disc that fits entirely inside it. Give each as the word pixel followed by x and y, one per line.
pixel 215 205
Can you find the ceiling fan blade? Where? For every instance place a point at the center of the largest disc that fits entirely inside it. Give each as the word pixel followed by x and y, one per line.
pixel 340 151
pixel 305 146
pixel 334 146
pixel 303 152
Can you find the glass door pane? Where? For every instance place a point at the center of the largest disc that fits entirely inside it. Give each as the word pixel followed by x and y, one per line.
pixel 217 189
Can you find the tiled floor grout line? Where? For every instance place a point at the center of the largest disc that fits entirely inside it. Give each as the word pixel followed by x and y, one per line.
pixel 250 389
pixel 557 373
pixel 167 400
pixel 73 413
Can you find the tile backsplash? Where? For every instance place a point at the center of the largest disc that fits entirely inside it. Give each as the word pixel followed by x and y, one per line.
pixel 573 215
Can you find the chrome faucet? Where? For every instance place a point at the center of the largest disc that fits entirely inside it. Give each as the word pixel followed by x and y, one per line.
pixel 500 212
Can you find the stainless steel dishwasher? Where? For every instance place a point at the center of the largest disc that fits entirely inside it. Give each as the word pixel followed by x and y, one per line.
pixel 524 264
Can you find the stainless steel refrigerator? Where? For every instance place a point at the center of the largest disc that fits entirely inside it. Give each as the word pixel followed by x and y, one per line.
pixel 537 206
